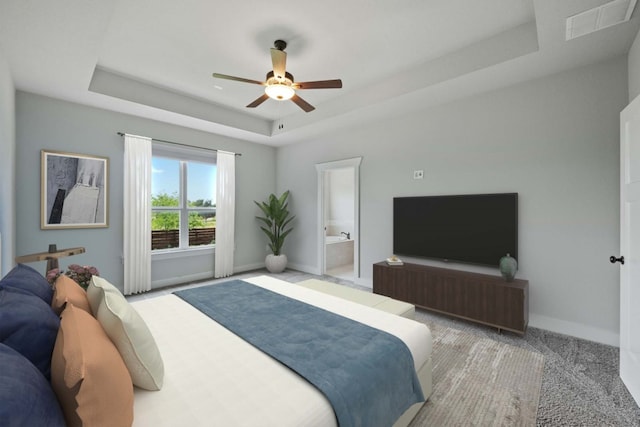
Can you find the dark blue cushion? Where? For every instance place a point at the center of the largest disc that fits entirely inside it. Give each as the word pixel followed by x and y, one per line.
pixel 29 326
pixel 26 397
pixel 28 279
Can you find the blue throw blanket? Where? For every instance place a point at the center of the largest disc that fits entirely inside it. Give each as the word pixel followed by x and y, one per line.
pixel 368 375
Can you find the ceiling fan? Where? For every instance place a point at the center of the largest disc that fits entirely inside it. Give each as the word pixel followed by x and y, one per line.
pixel 279 84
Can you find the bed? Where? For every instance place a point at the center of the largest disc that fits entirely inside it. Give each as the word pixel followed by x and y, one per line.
pixel 214 377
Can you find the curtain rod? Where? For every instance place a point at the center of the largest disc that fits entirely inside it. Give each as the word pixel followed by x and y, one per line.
pixel 184 145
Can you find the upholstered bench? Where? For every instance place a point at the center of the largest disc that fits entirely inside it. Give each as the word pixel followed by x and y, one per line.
pixel 379 302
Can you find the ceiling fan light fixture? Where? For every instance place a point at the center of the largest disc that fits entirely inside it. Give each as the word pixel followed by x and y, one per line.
pixel 279 84
pixel 279 91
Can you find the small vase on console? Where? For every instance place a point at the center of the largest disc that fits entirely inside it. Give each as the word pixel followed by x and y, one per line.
pixel 508 267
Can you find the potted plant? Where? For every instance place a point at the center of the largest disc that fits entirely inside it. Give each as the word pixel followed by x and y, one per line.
pixel 275 220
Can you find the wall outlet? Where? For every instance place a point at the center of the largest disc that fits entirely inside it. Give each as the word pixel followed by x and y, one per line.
pixel 418 174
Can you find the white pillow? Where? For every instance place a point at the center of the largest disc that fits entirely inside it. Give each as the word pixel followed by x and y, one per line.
pixel 129 333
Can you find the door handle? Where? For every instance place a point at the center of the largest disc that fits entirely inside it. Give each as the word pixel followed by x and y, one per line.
pixel 613 259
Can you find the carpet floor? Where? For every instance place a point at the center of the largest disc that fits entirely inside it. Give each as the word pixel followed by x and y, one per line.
pixel 479 381
pixel 580 382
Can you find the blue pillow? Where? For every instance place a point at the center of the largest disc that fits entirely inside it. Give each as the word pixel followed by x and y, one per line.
pixel 29 326
pixel 28 279
pixel 26 397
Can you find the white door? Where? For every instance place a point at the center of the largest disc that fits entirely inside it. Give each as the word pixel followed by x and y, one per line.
pixel 630 248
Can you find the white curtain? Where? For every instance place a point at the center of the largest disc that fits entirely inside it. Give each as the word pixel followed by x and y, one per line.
pixel 225 212
pixel 137 214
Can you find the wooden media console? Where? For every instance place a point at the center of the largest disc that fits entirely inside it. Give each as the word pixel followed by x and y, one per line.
pixel 482 298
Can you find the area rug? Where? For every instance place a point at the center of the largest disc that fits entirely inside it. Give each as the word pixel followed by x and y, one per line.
pixel 480 382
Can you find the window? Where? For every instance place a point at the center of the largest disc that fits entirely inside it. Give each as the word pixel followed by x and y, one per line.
pixel 183 198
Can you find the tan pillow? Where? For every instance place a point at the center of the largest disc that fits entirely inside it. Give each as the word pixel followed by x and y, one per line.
pixel 67 290
pixel 88 375
pixel 129 333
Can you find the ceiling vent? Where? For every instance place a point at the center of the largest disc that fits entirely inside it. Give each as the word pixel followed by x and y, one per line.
pixel 607 15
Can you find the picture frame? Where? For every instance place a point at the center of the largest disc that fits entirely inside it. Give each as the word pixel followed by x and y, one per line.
pixel 74 190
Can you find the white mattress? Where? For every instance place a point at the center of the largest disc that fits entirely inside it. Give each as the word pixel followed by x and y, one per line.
pixel 214 378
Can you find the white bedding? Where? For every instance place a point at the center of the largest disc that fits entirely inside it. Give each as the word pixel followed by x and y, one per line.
pixel 214 378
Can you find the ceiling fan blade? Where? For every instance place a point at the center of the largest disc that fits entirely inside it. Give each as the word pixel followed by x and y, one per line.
pixel 258 101
pixel 237 79
pixel 303 104
pixel 321 84
pixel 279 60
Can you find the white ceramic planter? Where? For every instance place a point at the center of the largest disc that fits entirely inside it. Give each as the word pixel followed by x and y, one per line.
pixel 276 263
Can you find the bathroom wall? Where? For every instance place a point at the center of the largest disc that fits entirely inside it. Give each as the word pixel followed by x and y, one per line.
pixel 339 204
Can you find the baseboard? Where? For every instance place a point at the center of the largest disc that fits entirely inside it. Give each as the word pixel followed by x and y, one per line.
pixel 311 269
pixel 157 284
pixel 574 329
pixel 206 275
pixel 367 283
pixel 248 267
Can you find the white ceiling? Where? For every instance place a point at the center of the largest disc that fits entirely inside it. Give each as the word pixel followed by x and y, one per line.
pixel 154 58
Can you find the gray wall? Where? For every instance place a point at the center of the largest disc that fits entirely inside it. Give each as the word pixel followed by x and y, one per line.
pixel 7 167
pixel 51 124
pixel 634 68
pixel 554 141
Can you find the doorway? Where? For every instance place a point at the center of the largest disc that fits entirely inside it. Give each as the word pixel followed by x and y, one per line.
pixel 338 218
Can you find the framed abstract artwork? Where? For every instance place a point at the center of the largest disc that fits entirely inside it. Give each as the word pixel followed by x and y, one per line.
pixel 74 190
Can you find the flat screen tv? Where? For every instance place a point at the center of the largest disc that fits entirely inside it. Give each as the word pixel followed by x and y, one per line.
pixel 474 228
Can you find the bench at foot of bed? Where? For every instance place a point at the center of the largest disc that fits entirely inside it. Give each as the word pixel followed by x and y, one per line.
pixel 370 299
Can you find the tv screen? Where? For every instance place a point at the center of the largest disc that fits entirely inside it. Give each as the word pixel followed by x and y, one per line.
pixel 475 229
